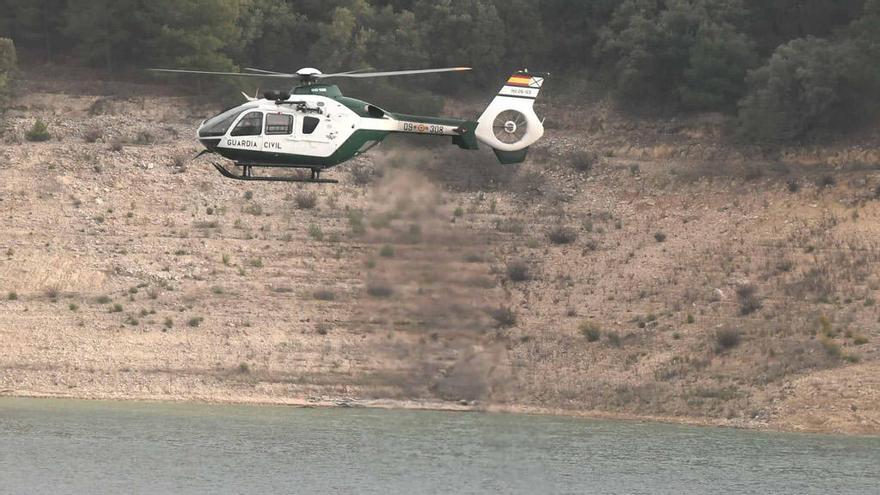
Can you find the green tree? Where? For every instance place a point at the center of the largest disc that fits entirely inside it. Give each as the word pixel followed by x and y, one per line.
pixel 717 64
pixel 35 24
pixel 199 34
pixel 681 51
pixel 102 30
pixel 343 43
pixel 804 87
pixel 464 32
pixel 7 68
pixel 274 35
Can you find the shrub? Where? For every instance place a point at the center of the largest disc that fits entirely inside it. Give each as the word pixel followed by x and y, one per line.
pixel 363 174
pixel 116 308
pixel 168 323
pixel 504 316
pixel 562 235
pixel 518 270
pixel 144 138
pixel 117 145
pixel 244 369
pixel 324 295
pixel 356 222
pixel 38 132
pixel 826 180
pixel 93 134
pixel 831 347
pixel 590 330
pixel 195 321
pixel 659 236
pixel 749 301
pixel 12 296
pixel 614 339
pixel 807 84
pixel 315 232
pixel 305 200
pixel 386 251
pixel 583 161
pixel 103 299
pixel 377 288
pixel 7 67
pixel 510 226
pixel 726 338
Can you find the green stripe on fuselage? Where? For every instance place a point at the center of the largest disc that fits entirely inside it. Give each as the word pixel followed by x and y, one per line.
pixel 348 150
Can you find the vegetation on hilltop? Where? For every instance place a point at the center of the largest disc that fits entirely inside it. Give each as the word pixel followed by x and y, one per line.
pixel 787 69
pixel 7 66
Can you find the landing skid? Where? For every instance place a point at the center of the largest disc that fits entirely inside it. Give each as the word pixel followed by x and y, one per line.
pixel 247 174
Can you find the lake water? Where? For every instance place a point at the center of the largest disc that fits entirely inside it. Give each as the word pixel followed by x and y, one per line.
pixel 67 446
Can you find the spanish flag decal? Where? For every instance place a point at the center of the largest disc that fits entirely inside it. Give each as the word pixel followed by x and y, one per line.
pixel 519 80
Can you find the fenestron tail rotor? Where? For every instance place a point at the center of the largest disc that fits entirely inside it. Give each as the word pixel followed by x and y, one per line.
pixel 510 126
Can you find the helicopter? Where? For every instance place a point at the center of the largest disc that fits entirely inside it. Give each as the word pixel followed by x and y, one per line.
pixel 314 126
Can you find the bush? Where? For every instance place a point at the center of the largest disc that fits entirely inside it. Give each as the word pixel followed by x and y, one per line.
pixel 315 232
pixel 590 330
pixel 510 226
pixel 518 270
pixel 726 338
pixel 364 174
pixel 807 84
pixel 324 295
pixel 659 236
pixel 195 321
pixel 562 235
pixel 386 251
pixel 7 68
pixel 831 347
pixel 749 301
pixel 12 296
pixel 583 161
pixel 504 317
pixel 377 288
pixel 614 339
pixel 38 132
pixel 305 200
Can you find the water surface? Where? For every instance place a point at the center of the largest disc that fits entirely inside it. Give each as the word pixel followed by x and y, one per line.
pixel 68 446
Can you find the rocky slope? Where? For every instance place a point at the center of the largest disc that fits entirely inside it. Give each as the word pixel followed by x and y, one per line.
pixel 640 269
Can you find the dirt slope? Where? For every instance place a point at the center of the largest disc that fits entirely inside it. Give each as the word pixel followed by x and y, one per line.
pixel 676 277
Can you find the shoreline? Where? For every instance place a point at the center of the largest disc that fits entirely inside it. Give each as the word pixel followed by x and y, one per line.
pixel 426 405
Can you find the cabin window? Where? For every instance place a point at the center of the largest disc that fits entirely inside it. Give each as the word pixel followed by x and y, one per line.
pixel 278 123
pixel 310 124
pixel 249 125
pixel 218 125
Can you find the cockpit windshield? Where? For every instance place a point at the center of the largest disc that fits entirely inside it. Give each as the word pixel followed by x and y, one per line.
pixel 217 126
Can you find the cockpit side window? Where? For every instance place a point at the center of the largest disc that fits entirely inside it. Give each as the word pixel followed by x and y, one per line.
pixel 278 124
pixel 249 125
pixel 310 124
pixel 219 124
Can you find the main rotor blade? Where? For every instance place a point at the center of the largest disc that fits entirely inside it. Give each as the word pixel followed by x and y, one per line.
pixel 236 74
pixel 392 73
pixel 263 71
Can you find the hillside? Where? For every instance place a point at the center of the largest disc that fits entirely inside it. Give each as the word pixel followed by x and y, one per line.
pixel 629 268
